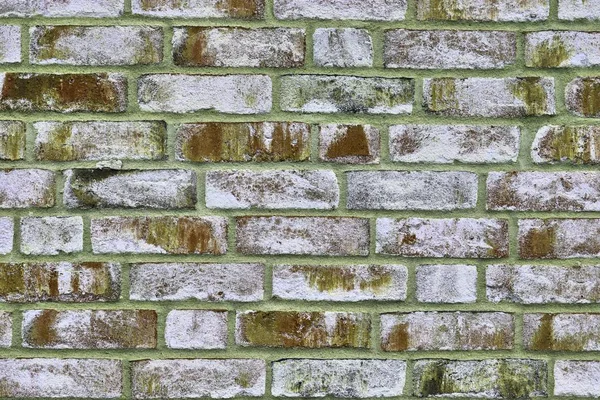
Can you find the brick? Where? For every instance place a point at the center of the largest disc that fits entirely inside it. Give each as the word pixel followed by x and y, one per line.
pixel 98 188
pixel 11 48
pixel 96 45
pixel 489 97
pixel 100 92
pixel 51 235
pixel 89 329
pixel 576 378
pixel 446 144
pixel 195 378
pixel 202 282
pixel 452 237
pixel 572 10
pixel 238 47
pixel 495 379
pixel 582 97
pixel 327 236
pixel 59 282
pixel 442 49
pixel 482 10
pixel 542 284
pixel 62 8
pixel 7 230
pixel 100 140
pixel 303 329
pixel 368 10
pixel 196 329
pixel 159 235
pixel 340 282
pixel 232 94
pixel 25 188
pixel 5 329
pixel 275 189
pixel 411 190
pixel 465 331
pixel 559 238
pixel 350 144
pixel 59 378
pixel 561 332
pixel 244 9
pixel 454 283
pixel 342 47
pixel 338 378
pixel 12 140
pixel 562 49
pixel 243 142
pixel 566 144
pixel 347 94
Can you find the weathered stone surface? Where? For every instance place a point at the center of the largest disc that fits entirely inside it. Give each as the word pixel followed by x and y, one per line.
pixel 5 329
pixel 454 283
pixel 447 331
pixel 331 236
pixel 196 329
pixel 559 238
pixel 562 49
pixel 348 94
pixel 369 10
pixel 450 49
pixel 577 9
pixel 98 188
pixel 489 97
pixel 340 283
pixel 177 93
pixel 59 282
pixel 338 378
pixel 62 8
pixel 540 284
pixel 10 52
pixel 582 97
pixel 51 235
pixel 561 332
pixel 12 140
pixel 203 282
pixel 90 329
pixel 303 329
pixel 455 237
pixel 351 144
pixel 7 231
pixel 483 10
pixel 159 235
pixel 577 378
pixel 239 47
pixel 195 378
pixel 566 144
pixel 411 190
pixel 25 188
pixel 243 142
pixel 342 47
pixel 245 9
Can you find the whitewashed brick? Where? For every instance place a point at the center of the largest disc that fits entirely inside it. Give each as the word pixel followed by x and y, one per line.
pixel 23 188
pixel 10 51
pixel 369 10
pixel 7 231
pixel 572 10
pixel 245 9
pixel 454 283
pixel 483 10
pixel 196 329
pixel 62 8
pixel 342 47
pixel 51 235
pixel 577 378
pixel 5 329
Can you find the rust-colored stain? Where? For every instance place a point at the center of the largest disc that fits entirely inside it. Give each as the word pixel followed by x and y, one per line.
pixel 397 339
pixel 354 142
pixel 538 243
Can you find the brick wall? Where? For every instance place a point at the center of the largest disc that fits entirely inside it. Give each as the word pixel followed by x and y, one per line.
pixel 299 198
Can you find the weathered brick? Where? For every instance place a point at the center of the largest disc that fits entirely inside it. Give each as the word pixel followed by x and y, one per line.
pixel 59 378
pixel 24 188
pixel 100 140
pixel 577 9
pixel 352 144
pixel 5 329
pixel 445 144
pixel 495 379
pixel 411 190
pixel 342 47
pixel 561 332
pixel 348 94
pixel 196 329
pixel 456 237
pixel 60 281
pixel 559 238
pixel 582 97
pixel 7 230
pixel 100 92
pixel 243 142
pixel 483 10
pixel 447 283
pixel 338 378
pixel 62 8
pixel 159 235
pixel 303 329
pixel 196 378
pixel 566 144
pixel 276 189
pixel 577 378
pixel 489 97
pixel 327 236
pixel 12 140
pixel 441 49
pixel 203 282
pixel 51 235
pixel 245 9
pixel 11 47
pixel 561 49
pixel 233 94
pixel 447 331
pixel 99 188
pixel 369 10
pixel 340 283
pixel 238 47
pixel 90 329
pixel 540 284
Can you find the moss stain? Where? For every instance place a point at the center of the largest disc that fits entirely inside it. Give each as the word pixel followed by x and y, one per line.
pixel 512 384
pixel 48 41
pixel 244 379
pixel 434 380
pixel 531 92
pixel 590 97
pixel 12 143
pixel 240 8
pixel 398 338
pixel 12 279
pixel 538 243
pixel 59 146
pixel 42 332
pixel 353 142
pixel 550 53
pixel 330 279
pixel 443 95
pixel 193 51
pixel 126 329
pixel 150 5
